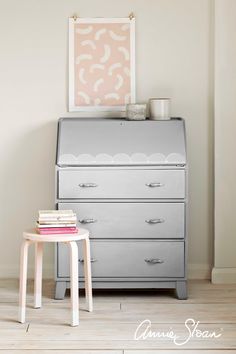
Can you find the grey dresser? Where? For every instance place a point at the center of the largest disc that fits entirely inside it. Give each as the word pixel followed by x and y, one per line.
pixel 127 182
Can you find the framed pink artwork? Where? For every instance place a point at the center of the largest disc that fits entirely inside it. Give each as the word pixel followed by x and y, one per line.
pixel 101 63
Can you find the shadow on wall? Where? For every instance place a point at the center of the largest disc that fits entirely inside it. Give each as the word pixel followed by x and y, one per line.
pixel 28 183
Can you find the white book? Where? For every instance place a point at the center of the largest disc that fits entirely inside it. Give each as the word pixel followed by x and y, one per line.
pixel 43 226
pixel 53 211
pixel 49 213
pixel 57 218
pixel 56 222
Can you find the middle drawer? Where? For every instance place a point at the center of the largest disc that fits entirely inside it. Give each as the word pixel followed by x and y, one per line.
pixel 130 220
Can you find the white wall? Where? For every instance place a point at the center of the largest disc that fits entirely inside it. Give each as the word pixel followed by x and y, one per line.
pixel 173 41
pixel 225 129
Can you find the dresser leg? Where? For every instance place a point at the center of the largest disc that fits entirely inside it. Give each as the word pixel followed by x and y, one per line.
pixel 60 290
pixel 181 290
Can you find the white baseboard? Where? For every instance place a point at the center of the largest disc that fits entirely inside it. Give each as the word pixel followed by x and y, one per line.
pixel 12 271
pixel 195 271
pixel 223 275
pixel 199 271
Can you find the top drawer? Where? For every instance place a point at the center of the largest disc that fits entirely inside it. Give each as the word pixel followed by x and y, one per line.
pixel 108 183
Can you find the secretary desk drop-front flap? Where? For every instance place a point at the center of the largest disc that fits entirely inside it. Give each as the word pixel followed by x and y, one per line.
pixel 92 141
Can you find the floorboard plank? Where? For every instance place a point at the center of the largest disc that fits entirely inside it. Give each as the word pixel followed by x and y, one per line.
pixel 174 351
pixel 126 313
pixel 198 292
pixel 116 336
pixel 51 351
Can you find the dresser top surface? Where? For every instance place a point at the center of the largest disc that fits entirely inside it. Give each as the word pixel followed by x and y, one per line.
pixel 95 141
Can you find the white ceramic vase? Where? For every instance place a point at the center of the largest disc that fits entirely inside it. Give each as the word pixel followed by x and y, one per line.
pixel 159 108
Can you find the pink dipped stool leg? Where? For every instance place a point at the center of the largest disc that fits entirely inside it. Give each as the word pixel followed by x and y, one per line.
pixel 23 279
pixel 74 283
pixel 38 274
pixel 87 274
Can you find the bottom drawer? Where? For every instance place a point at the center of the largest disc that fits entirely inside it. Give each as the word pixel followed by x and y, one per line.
pixel 122 259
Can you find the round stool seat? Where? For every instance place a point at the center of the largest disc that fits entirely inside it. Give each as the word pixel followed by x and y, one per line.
pixel 33 235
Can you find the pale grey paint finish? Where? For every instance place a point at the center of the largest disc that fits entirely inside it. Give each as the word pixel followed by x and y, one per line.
pixel 178 195
pixel 139 220
pixel 181 290
pixel 127 259
pixel 121 184
pixel 60 290
pixel 114 136
pixel 179 286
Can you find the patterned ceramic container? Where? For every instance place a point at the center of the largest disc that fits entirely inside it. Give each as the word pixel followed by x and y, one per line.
pixel 136 111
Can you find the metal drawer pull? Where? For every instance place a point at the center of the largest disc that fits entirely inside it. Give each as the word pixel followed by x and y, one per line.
pixel 87 185
pixel 92 260
pixel 155 184
pixel 154 260
pixel 154 221
pixel 87 221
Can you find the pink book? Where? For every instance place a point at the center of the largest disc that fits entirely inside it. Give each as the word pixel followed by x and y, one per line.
pixel 59 230
pixel 67 228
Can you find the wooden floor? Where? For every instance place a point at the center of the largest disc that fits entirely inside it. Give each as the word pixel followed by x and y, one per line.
pixel 110 328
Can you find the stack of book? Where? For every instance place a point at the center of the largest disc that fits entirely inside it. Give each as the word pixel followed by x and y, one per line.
pixel 52 222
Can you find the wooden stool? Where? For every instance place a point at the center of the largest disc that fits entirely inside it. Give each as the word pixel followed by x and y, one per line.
pixel 32 236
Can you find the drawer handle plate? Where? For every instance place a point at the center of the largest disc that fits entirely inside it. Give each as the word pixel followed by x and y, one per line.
pixel 92 260
pixel 154 221
pixel 154 184
pixel 87 221
pixel 154 260
pixel 88 185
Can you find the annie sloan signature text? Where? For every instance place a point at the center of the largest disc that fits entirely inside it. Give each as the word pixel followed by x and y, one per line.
pixel 191 330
